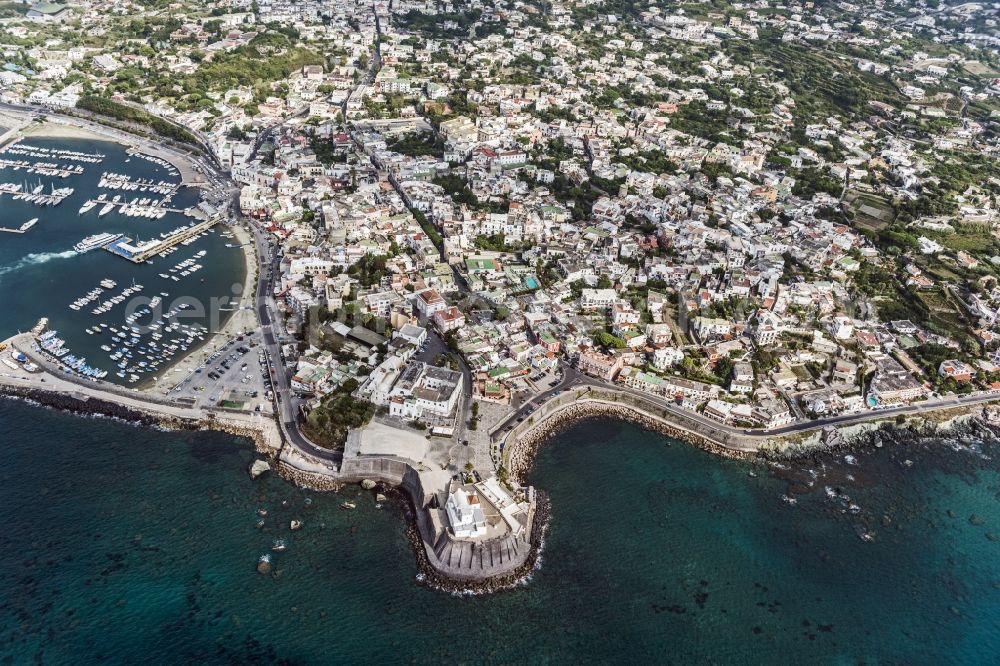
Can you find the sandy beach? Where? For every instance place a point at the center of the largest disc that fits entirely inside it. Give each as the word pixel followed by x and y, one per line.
pixel 73 128
pixel 241 322
pixel 52 129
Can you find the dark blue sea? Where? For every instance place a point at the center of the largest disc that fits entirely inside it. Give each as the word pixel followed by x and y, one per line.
pixel 126 545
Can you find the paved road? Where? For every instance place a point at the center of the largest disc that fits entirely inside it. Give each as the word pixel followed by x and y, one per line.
pixel 573 378
pixel 266 133
pixel 285 402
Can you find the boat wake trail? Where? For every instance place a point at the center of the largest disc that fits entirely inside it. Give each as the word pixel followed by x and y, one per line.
pixel 36 258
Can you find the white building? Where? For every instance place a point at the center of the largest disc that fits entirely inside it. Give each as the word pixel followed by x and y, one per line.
pixel 465 514
pixel 594 299
pixel 667 357
pixel 422 390
pixel 415 334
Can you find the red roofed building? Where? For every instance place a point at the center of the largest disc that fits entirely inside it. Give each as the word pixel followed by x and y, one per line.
pixel 429 302
pixel 449 319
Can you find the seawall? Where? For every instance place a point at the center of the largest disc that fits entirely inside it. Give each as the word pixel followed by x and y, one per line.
pixel 263 434
pixel 521 444
pixel 449 564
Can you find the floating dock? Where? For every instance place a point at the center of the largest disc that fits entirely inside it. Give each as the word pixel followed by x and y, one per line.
pixel 138 254
pixel 22 229
pixel 40 199
pixel 41 168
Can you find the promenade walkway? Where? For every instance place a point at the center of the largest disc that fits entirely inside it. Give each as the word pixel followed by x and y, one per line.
pixel 53 380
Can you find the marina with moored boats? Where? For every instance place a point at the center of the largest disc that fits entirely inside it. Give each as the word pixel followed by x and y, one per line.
pixel 35 193
pixel 139 207
pixel 127 325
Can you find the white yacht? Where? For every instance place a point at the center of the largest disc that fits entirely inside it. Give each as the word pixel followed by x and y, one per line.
pixel 95 241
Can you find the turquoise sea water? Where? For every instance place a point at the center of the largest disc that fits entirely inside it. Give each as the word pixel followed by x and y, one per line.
pixel 123 544
pixel 40 274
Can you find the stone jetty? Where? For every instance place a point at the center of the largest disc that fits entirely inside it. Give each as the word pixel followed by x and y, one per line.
pixel 464 567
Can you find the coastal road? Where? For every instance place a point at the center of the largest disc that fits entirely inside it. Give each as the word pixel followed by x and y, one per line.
pixel 571 377
pixel 574 378
pixel 285 406
pixel 878 414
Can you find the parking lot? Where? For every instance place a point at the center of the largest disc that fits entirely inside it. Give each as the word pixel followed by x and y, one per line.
pixel 235 376
pixel 530 385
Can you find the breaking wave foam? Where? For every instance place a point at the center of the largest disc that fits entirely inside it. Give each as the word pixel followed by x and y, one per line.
pixel 36 258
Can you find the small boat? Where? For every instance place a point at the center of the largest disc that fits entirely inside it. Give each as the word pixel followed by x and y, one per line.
pixel 279 546
pixel 348 505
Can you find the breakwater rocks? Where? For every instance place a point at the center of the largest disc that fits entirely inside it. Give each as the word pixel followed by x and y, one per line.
pixel 90 406
pixel 82 406
pixel 255 435
pixel 433 578
pixel 308 480
pixel 521 452
pixel 959 427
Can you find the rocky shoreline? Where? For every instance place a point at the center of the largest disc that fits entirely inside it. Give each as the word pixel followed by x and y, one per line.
pixel 108 409
pixel 307 480
pixel 432 578
pixel 88 407
pixel 971 426
pixel 522 453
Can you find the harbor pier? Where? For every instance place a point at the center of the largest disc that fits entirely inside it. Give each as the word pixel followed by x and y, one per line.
pixel 138 254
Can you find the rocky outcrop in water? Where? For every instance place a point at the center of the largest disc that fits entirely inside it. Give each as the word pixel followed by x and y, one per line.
pixel 259 467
